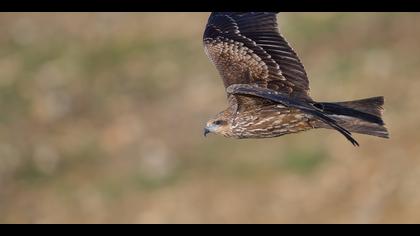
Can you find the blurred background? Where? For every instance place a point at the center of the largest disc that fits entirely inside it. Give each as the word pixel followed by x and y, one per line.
pixel 102 116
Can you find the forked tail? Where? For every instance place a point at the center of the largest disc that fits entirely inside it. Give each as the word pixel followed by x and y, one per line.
pixel 360 116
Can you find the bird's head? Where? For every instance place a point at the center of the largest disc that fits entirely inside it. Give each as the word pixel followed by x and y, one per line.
pixel 218 125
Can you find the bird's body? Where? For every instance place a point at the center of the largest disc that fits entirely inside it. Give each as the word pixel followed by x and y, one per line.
pixel 261 123
pixel 265 121
pixel 267 85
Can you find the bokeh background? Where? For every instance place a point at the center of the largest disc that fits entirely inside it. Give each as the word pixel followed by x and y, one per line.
pixel 102 116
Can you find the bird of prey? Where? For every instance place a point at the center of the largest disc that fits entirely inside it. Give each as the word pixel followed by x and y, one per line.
pixel 268 88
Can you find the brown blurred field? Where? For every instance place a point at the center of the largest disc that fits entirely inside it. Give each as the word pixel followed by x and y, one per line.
pixel 102 116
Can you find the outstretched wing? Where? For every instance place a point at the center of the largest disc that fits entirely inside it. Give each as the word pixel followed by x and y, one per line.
pixel 247 48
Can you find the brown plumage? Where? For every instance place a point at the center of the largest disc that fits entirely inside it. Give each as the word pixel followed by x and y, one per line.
pixel 267 85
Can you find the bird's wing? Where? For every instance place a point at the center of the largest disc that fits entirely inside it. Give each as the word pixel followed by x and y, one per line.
pixel 247 48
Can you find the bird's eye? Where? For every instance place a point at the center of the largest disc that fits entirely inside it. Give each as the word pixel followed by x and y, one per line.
pixel 218 122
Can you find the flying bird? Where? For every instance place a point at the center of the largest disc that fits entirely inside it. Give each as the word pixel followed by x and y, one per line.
pixel 267 86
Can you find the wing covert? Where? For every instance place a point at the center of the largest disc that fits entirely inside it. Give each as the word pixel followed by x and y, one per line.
pixel 247 48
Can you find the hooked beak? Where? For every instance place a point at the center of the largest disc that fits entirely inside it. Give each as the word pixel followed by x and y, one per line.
pixel 206 131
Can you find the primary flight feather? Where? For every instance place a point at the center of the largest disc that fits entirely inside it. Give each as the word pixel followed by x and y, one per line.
pixel 267 85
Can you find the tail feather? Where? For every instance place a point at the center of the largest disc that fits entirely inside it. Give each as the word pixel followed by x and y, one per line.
pixel 360 116
pixel 372 106
pixel 369 109
pixel 362 127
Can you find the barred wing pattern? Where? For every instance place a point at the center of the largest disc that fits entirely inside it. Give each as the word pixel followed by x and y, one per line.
pixel 247 48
